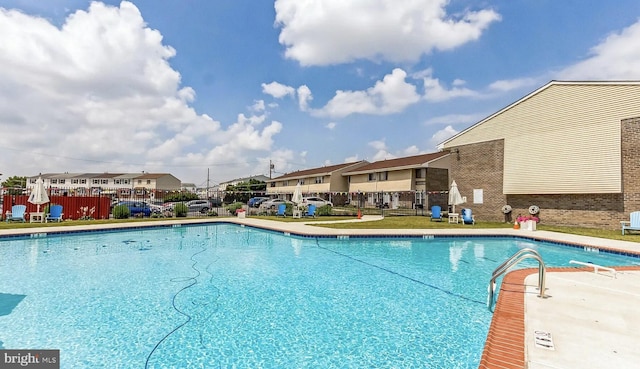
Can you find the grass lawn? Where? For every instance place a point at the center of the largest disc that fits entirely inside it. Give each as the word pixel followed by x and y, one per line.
pixel 400 222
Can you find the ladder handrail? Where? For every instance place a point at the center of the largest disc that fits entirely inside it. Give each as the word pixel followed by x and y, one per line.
pixel 525 253
pixel 518 253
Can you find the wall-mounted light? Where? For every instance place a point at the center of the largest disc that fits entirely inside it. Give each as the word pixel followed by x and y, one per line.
pixel 457 152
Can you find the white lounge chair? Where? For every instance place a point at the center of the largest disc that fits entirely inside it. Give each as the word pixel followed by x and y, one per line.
pixel 633 224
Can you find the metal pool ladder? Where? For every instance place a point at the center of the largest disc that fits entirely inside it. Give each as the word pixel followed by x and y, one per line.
pixel 525 253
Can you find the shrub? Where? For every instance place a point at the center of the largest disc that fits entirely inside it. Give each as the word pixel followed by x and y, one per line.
pixel 233 207
pixel 47 209
pixel 323 210
pixel 180 197
pixel 288 209
pixel 121 212
pixel 180 210
pixel 212 213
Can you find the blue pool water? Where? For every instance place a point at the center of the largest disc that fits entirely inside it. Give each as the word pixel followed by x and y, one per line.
pixel 225 296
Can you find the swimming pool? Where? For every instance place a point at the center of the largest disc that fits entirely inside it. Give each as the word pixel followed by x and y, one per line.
pixel 220 296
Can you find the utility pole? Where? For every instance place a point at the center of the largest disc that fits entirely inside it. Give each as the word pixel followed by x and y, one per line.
pixel 208 194
pixel 271 168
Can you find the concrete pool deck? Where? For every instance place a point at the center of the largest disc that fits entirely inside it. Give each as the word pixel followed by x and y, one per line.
pixel 589 319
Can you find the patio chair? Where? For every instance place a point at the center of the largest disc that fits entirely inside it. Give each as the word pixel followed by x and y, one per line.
pixel 311 211
pixel 17 213
pixel 55 214
pixel 281 209
pixel 468 217
pixel 633 224
pixel 436 213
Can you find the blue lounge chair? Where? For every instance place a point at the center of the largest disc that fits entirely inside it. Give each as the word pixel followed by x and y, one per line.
pixel 436 213
pixel 281 209
pixel 311 211
pixel 467 217
pixel 55 214
pixel 17 213
pixel 633 224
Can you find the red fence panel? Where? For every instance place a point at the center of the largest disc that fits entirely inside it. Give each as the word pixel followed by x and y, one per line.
pixel 73 207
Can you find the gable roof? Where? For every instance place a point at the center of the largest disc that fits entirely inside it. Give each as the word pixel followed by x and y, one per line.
pixel 320 171
pixel 551 83
pixel 407 162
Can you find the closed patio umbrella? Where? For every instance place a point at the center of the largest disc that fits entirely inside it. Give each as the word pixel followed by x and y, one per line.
pixel 454 196
pixel 297 195
pixel 39 194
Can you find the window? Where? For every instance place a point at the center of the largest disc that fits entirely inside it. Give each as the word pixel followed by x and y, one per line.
pixel 61 181
pixel 83 181
pixel 95 181
pixel 285 183
pixel 301 181
pixel 54 181
pixel 116 181
pixel 74 181
pixel 383 176
pixel 372 177
pixel 420 173
pixel 319 179
pixel 139 181
pixel 148 181
pixel 104 181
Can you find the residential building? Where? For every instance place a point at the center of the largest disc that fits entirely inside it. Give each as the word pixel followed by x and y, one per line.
pixel 405 182
pixel 121 184
pixel 568 148
pixel 327 182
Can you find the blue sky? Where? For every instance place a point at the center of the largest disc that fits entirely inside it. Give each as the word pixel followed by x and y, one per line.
pixel 228 86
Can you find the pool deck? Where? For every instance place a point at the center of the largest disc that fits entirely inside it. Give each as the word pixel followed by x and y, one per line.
pixel 587 319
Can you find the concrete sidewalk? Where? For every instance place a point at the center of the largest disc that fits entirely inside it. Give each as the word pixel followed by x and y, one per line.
pixel 592 320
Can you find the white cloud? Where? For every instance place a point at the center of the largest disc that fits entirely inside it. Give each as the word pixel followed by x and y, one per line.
pixel 337 31
pixel 100 90
pixel 258 106
pixel 411 150
pixel 435 92
pixel 304 96
pixel 617 57
pixel 331 125
pixel 441 135
pixel 352 159
pixel 277 90
pixel 382 151
pixel 514 84
pixel 454 119
pixel 391 95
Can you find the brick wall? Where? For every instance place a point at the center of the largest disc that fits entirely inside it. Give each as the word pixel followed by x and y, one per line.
pixel 481 166
pixel 630 146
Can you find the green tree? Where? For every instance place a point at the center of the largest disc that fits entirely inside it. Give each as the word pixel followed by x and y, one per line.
pixel 15 185
pixel 243 191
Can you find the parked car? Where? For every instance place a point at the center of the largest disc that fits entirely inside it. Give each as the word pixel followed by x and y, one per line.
pixel 255 202
pixel 317 201
pixel 155 208
pixel 216 202
pixel 202 206
pixel 168 206
pixel 137 207
pixel 272 204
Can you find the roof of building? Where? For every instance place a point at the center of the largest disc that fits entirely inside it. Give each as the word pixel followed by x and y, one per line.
pixel 102 175
pixel 326 170
pixel 407 162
